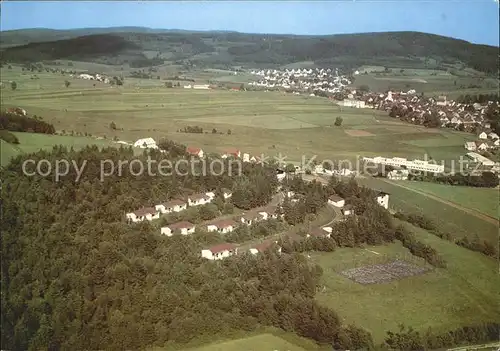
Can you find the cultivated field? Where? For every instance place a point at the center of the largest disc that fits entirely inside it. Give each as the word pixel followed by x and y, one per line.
pixel 484 200
pixel 428 81
pixel 255 122
pixel 462 294
pixel 455 220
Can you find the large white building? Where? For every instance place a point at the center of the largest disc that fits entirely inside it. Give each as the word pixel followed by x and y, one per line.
pixel 480 159
pixel 415 165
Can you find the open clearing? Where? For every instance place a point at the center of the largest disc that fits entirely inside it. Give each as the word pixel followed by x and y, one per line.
pixel 464 293
pixel 457 220
pixel 32 142
pixel 358 133
pixel 255 122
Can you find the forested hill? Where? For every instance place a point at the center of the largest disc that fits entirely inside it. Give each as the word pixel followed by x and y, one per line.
pixel 395 49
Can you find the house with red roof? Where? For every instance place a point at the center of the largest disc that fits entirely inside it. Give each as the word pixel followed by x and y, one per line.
pixel 195 151
pixel 219 252
pixel 222 226
pixel 265 246
pixel 184 228
pixel 143 214
pixel 231 153
pixel 251 217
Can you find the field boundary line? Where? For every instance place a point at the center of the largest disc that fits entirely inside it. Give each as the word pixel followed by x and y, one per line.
pixel 470 211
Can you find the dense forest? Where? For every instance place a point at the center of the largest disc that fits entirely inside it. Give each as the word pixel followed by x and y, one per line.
pixel 76 276
pixel 119 46
pixel 18 123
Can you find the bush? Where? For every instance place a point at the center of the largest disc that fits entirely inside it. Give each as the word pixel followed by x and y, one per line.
pixel 8 137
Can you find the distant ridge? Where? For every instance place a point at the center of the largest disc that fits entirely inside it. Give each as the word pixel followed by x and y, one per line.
pixel 209 48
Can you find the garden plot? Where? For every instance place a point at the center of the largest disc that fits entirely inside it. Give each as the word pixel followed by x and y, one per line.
pixel 383 273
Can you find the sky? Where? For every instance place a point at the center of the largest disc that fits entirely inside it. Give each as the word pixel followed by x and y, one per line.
pixel 476 21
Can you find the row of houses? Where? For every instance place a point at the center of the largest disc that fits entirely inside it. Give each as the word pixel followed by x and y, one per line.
pixel 486 142
pixel 221 251
pixel 223 226
pixel 175 205
pixel 197 86
pixel 96 77
pixel 305 80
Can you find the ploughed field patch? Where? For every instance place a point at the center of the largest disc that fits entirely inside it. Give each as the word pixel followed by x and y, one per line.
pixel 358 133
pixel 383 273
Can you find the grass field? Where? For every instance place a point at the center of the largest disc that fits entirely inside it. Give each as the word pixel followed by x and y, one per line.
pixel 463 293
pixel 262 339
pixel 260 122
pixel 480 199
pixel 31 142
pixel 450 219
pixel 262 342
pixel 429 81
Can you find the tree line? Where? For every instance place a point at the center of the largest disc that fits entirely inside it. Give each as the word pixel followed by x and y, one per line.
pixel 485 180
pixel 18 123
pixel 476 244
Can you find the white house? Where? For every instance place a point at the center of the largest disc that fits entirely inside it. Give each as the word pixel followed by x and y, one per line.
pixel 318 233
pixel 264 246
pixel 143 214
pixel 483 136
pixel 226 193
pixel 146 143
pixel 246 157
pixel 184 228
pixel 210 194
pixel 231 153
pixel 441 101
pixel 496 142
pixel 347 210
pixel 493 136
pixel 383 199
pixel 353 103
pixel 219 252
pixel 222 226
pixel 199 199
pixel 470 146
pixel 250 218
pixel 172 206
pixel 336 201
pixel 194 151
pixel 481 146
pixel 201 86
pixel 327 229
